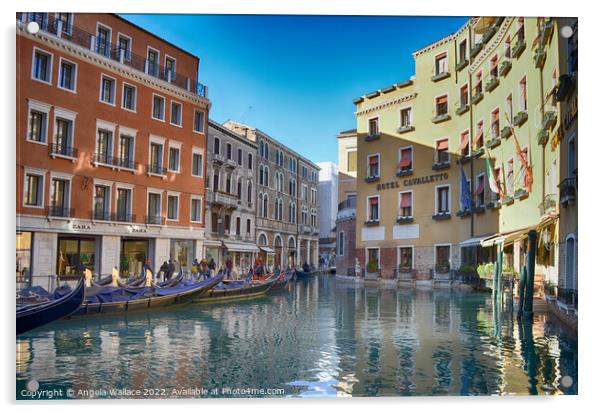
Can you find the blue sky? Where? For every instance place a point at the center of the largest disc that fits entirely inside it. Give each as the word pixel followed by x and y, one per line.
pixel 295 77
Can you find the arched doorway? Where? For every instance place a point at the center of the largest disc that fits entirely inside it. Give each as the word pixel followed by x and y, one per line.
pixel 278 249
pixel 569 266
pixel 292 252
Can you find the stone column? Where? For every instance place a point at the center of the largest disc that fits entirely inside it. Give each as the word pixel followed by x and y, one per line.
pixel 161 253
pixel 110 254
pixel 43 260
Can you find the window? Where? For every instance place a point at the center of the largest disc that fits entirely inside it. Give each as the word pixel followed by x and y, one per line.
pixel 129 97
pixel 497 173
pixel 520 31
pixel 493 72
pixel 215 181
pixel 292 213
pixel 441 64
pixel 373 166
pixel 199 121
pixel 405 204
pixel 522 88
pixel 174 159
pixel 102 202
pixel 66 20
pixel 104 146
pixel 154 208
pixel 304 192
pixel 228 183
pixel 510 176
pixel 239 189
pixel 462 51
pixel 158 107
pixel 352 161
pixel 464 96
pixel 103 41
pixel 405 159
pixel 216 146
pixel 42 66
pixel 406 259
pixel 507 48
pixel 478 83
pixel 480 192
pixel 172 207
pixel 239 157
pixel 250 161
pixel 248 227
pixel 124 205
pixel 229 151
pixel 373 129
pixel 373 208
pixel 156 158
pixel 373 255
pixel 523 172
pixel 571 158
pixel 33 195
pixel 509 107
pixel 442 151
pixel 237 225
pixel 126 151
pixel 59 198
pixel 38 122
pixel 195 210
pixel 265 205
pixel 464 147
pixel 152 62
pixel 249 192
pixel 197 164
pixel 176 114
pixel 304 171
pixel 442 258
pixel 67 75
pixel 292 187
pixel 442 199
pixel 441 105
pixel 124 45
pixel 170 68
pixel 107 90
pixel 479 135
pixel 314 196
pixel 495 124
pixel 63 139
pixel 341 244
pixel 406 117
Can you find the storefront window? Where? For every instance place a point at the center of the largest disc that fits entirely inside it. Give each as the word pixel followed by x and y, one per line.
pixel 23 259
pixel 133 255
pixel 75 255
pixel 181 254
pixel 212 253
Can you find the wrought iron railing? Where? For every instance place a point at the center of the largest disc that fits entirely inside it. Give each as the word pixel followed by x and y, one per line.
pixel 100 215
pixel 154 219
pixel 568 296
pixel 60 211
pixel 155 169
pixel 64 150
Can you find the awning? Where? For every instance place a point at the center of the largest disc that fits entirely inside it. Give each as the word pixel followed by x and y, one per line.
pixel 509 237
pixel 212 243
pixel 267 249
pixel 240 247
pixel 473 241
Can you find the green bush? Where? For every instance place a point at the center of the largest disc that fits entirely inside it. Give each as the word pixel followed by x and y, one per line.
pixel 372 266
pixel 485 270
pixel 466 268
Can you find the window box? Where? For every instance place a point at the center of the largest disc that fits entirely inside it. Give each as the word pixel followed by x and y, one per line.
pixel 518 49
pixel 463 159
pixel 566 86
pixel 478 152
pixel 479 209
pixel 506 132
pixel 461 110
pixel 542 137
pixel 546 31
pixel 520 194
pixel 405 172
pixel 461 65
pixel 494 204
pixel 489 34
pixel 492 84
pixel 509 200
pixel 372 222
pixel 372 178
pixel 441 216
pixel 463 213
pixel 370 138
pixel 476 98
pixel 476 49
pixel 440 76
pixel 441 269
pixel 492 143
pixel 539 57
pixel 405 129
pixel 121 217
pixel 549 119
pixel 520 118
pixel 441 118
pixel 441 165
pixel 405 220
pixel 505 67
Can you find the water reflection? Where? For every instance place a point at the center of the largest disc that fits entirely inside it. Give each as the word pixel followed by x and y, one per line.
pixel 318 338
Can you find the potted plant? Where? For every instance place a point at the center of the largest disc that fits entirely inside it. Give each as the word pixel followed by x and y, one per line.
pixel 372 269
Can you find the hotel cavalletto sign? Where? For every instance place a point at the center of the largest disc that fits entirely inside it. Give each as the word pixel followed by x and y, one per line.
pixel 414 181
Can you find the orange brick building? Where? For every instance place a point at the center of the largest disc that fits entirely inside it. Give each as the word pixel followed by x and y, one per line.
pixel 111 145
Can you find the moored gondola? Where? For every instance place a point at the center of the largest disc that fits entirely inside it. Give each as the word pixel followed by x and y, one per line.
pixel 239 289
pixel 303 274
pixel 283 279
pixel 38 314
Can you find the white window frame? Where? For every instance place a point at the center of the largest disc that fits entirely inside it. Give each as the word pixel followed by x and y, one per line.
pixel 197 151
pixel 38 107
pixel 399 247
pixel 446 62
pixel 153 107
pixel 367 255
pixel 50 64
pixel 123 85
pixel 119 34
pixel 129 187
pixel 102 124
pixel 175 102
pixel 70 116
pixel 113 103
pixel 377 154
pixel 58 80
pixel 403 148
pixel 124 130
pixel 106 183
pixel 368 124
pixel 368 218
pixel 157 192
pixel 39 172
pixel 69 22
pixel 411 108
pixel 435 253
pixel 200 199
pixel 176 145
pixel 158 140
pixel 411 192
pixel 110 38
pixel 147 64
pixel 446 94
pixel 177 195
pixel 449 197
pixel 175 65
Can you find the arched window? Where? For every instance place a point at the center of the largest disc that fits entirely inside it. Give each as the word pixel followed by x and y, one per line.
pixel 291 243
pixel 260 204
pixel 249 191
pixel 262 240
pixel 239 189
pixel 216 146
pixel 265 205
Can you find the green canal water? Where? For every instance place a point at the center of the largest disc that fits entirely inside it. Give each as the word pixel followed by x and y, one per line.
pixel 318 337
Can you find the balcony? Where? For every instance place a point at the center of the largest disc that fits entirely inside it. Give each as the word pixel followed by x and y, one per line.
pixel 441 117
pixel 476 97
pixel 549 119
pixel 493 142
pixel 230 163
pixel 442 216
pixel 404 129
pixel 125 163
pixel 216 158
pixel 568 191
pixel 372 137
pixel 372 178
pixel 548 205
pixel 461 64
pixel 223 198
pixel 444 164
pixel 123 217
pixel 155 169
pixel 304 229
pixel 100 215
pixel 440 76
pixel 520 118
pixel 505 67
pixel 489 34
pixel 506 132
pixel 474 51
pixel 492 83
pixel 404 172
pixel 518 48
pixel 493 203
pixel 405 219
pixel 57 149
pixel 372 222
pixel 154 220
pixel 114 52
pixel 60 211
pixel 521 194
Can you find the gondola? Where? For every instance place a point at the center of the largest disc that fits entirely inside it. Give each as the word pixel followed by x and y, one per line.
pixel 303 274
pixel 283 279
pixel 239 289
pixel 38 314
pixel 111 300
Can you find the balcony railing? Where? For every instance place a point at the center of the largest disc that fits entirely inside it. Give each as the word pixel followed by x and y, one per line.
pixel 114 52
pixel 548 205
pixel 60 211
pixel 123 217
pixel 568 191
pixel 154 220
pixel 100 215
pixel 125 163
pixel 568 296
pixel 155 169
pixel 63 150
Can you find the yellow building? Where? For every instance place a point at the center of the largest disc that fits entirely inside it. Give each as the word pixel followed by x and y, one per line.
pixel 478 94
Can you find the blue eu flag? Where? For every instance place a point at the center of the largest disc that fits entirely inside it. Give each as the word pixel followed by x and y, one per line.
pixel 466 197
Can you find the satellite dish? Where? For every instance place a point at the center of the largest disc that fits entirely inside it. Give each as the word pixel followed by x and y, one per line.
pixel 33 27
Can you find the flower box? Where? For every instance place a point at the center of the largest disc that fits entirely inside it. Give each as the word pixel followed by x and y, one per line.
pixel 505 67
pixel 476 49
pixel 440 76
pixel 461 110
pixel 492 84
pixel 404 172
pixel 441 118
pixel 476 98
pixel 539 57
pixel 461 65
pixel 404 129
pixel 440 216
pixel 520 118
pixel 441 165
pixel 404 220
pixel 518 49
pixel 506 132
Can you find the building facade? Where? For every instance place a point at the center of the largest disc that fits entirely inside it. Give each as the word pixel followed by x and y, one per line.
pixel 428 202
pixel 328 193
pixel 346 203
pixel 230 198
pixel 111 125
pixel 287 201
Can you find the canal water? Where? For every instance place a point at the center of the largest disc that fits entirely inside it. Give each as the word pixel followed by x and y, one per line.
pixel 319 337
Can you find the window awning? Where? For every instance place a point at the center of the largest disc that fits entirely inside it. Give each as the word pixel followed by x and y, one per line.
pixel 473 241
pixel 267 249
pixel 509 237
pixel 212 243
pixel 240 247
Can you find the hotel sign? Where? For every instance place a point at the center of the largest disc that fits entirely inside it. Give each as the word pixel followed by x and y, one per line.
pixel 413 181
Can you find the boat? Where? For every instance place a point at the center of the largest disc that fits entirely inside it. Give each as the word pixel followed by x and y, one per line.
pixel 283 279
pixel 303 274
pixel 110 300
pixel 239 289
pixel 32 315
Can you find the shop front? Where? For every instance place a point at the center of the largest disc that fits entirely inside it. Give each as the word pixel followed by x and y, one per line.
pixel 292 252
pixel 212 252
pixel 242 256
pixel 75 254
pixel 267 256
pixel 181 253
pixel 134 253
pixel 23 259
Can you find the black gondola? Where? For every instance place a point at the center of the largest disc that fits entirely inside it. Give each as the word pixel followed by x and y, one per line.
pixel 303 274
pixel 283 279
pixel 110 300
pixel 38 314
pixel 239 289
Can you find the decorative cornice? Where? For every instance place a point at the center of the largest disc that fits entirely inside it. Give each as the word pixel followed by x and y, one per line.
pixel 101 61
pixel 387 103
pixel 491 45
pixel 442 41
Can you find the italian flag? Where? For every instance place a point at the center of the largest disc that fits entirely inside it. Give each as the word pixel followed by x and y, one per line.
pixel 493 183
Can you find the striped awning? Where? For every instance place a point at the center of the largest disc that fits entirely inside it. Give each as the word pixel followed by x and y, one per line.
pixel 240 247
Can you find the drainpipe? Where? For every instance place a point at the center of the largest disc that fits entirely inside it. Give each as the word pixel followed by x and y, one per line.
pixel 543 152
pixel 528 310
pixel 471 131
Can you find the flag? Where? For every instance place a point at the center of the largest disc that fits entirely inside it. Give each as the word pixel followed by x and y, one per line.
pixel 466 198
pixel 494 185
pixel 528 176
